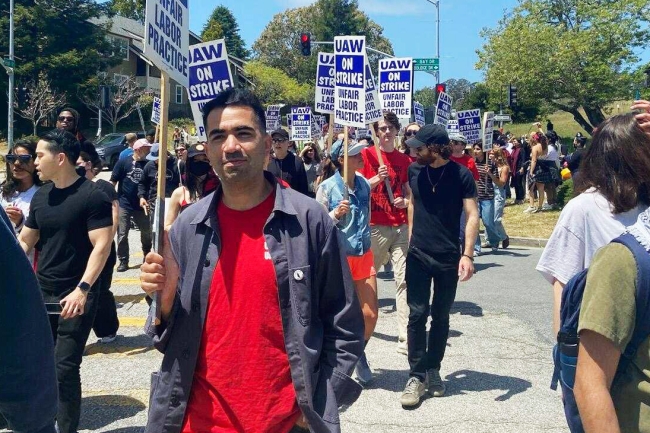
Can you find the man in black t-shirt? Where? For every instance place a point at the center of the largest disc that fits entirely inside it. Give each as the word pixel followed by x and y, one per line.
pixel 129 173
pixel 70 219
pixel 148 186
pixel 440 191
pixel 285 165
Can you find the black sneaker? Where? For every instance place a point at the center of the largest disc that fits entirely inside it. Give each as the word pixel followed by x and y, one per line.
pixel 123 266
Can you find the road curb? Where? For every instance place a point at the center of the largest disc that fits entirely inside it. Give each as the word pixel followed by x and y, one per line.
pixel 524 242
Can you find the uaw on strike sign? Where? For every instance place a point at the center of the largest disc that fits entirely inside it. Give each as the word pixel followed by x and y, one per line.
pixel 396 85
pixel 209 76
pixel 350 82
pixel 324 101
pixel 166 41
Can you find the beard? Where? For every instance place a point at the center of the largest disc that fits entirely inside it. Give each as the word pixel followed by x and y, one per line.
pixel 424 160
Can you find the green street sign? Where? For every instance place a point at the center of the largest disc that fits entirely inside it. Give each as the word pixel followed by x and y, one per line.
pixel 426 64
pixel 9 63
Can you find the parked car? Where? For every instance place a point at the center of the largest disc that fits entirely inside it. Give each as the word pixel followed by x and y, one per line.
pixel 110 147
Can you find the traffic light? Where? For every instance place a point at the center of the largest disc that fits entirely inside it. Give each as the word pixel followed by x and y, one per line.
pixel 512 96
pixel 305 43
pixel 105 97
pixel 441 88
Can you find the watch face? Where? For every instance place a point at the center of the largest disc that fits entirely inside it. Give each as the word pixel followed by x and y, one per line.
pixel 84 286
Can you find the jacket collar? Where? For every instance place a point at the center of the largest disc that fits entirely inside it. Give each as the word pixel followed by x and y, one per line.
pixel 208 208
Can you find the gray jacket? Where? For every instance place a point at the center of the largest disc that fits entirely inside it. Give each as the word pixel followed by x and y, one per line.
pixel 321 316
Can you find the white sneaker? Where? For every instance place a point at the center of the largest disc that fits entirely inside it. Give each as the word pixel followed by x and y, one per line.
pixel 530 209
pixel 546 206
pixel 413 392
pixel 107 339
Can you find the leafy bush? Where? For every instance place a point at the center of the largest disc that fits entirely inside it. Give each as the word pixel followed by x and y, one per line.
pixel 565 192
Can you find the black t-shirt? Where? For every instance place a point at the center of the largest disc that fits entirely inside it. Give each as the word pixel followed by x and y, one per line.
pixel 128 172
pixel 436 217
pixel 64 217
pixel 576 159
pixel 148 187
pixel 292 170
pixel 108 189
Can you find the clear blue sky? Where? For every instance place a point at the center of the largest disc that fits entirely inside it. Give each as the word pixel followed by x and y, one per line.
pixel 409 24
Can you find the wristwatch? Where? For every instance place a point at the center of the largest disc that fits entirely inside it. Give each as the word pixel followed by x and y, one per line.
pixel 85 287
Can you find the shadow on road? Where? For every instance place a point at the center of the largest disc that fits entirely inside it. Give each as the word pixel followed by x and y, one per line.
pixel 386 302
pixel 134 345
pixel 126 430
pixel 101 410
pixel 468 380
pixel 390 380
pixel 511 252
pixel 483 266
pixel 467 309
pixel 125 299
pixel 384 337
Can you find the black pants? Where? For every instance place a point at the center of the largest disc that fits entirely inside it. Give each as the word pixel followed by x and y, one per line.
pixel 518 184
pixel 106 322
pixel 124 225
pixel 70 338
pixel 421 269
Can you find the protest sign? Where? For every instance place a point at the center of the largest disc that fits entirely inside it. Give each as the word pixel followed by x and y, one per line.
pixel 362 133
pixel 167 37
pixel 488 127
pixel 373 109
pixel 156 110
pixel 324 101
pixel 469 124
pixel 396 85
pixel 418 113
pixel 273 118
pixel 300 123
pixel 443 109
pixel 209 76
pixel 350 82
pixel 452 127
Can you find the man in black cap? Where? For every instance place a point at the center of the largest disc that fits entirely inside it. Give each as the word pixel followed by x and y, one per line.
pixel 440 191
pixel 285 165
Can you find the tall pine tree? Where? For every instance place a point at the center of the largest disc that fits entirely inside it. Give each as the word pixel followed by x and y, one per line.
pixel 222 24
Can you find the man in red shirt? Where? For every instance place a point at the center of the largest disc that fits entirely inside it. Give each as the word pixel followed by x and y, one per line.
pixel 458 145
pixel 261 327
pixel 388 221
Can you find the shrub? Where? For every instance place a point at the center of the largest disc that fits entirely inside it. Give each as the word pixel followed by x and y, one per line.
pixel 565 193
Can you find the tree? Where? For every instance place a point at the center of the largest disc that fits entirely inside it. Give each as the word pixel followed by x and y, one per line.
pixel 279 44
pixel 573 55
pixel 134 9
pixel 222 23
pixel 125 96
pixel 426 96
pixel 273 86
pixel 41 103
pixel 458 90
pixel 477 97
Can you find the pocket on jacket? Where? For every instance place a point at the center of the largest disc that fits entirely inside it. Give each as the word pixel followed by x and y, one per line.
pixel 300 288
pixel 155 378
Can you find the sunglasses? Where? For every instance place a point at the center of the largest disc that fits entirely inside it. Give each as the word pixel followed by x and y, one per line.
pixel 180 150
pixel 275 140
pixel 385 128
pixel 23 159
pixel 66 118
pixel 410 133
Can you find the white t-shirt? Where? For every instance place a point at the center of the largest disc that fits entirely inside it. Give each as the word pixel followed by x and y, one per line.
pixel 585 225
pixel 553 155
pixel 21 200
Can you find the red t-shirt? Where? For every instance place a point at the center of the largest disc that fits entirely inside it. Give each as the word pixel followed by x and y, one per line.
pixel 382 212
pixel 468 162
pixel 242 382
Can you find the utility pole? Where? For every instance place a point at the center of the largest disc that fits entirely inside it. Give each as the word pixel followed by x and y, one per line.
pixel 10 71
pixel 436 3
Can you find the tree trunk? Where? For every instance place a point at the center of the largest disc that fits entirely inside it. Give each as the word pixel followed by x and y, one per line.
pixel 594 114
pixel 577 116
pixel 34 124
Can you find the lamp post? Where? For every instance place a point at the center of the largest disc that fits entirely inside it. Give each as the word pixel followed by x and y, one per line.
pixel 436 3
pixel 10 71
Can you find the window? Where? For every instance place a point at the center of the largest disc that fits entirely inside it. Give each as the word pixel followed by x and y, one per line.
pixel 118 79
pixel 102 76
pixel 120 47
pixel 179 94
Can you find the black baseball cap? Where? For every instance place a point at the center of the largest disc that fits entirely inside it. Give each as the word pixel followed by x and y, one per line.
pixel 429 134
pixel 197 149
pixel 281 134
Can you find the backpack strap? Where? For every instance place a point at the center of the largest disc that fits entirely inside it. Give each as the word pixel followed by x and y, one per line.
pixel 642 324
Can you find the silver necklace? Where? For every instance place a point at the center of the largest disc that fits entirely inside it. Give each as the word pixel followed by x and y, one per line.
pixel 433 189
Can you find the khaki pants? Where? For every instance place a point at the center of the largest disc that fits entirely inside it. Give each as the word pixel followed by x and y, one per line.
pixel 392 242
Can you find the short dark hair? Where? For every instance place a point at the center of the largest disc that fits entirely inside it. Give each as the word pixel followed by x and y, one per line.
pixel 61 141
pixel 391 118
pixel 617 163
pixel 236 98
pixel 151 133
pixel 89 154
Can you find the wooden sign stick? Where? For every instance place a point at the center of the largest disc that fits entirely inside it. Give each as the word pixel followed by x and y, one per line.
pixel 380 158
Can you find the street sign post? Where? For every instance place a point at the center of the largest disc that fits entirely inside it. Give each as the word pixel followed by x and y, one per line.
pixel 9 63
pixel 426 64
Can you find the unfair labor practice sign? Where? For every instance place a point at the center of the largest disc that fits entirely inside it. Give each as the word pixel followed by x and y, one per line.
pixel 350 81
pixel 469 124
pixel 488 127
pixel 418 113
pixel 273 118
pixel 443 109
pixel 396 85
pixel 373 110
pixel 167 37
pixel 300 123
pixel 324 101
pixel 209 76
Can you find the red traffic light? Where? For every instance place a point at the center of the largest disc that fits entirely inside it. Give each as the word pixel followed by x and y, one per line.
pixel 440 88
pixel 304 38
pixel 305 42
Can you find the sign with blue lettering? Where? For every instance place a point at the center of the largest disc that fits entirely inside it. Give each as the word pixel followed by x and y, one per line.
pixel 155 110
pixel 443 109
pixel 469 124
pixel 324 101
pixel 396 85
pixel 488 127
pixel 418 113
pixel 350 81
pixel 373 110
pixel 452 127
pixel 300 123
pixel 273 118
pixel 209 76
pixel 167 37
